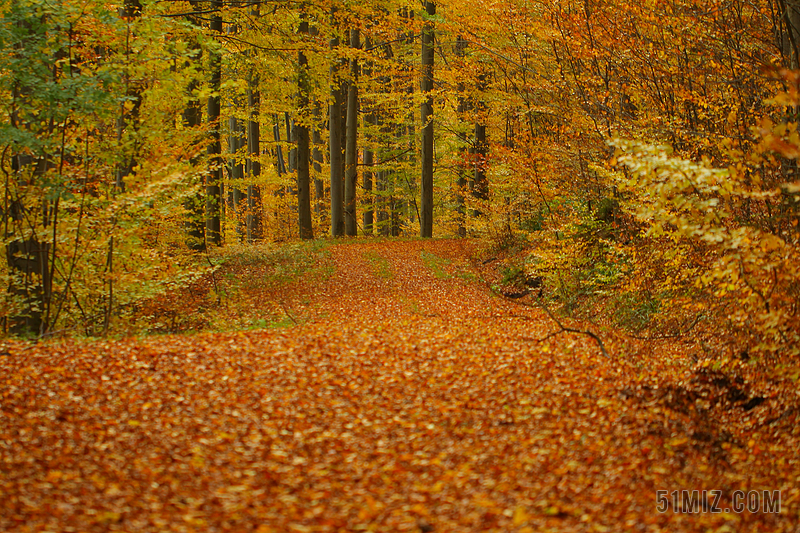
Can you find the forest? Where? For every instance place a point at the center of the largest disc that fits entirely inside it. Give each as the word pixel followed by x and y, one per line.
pixel 213 208
pixel 648 150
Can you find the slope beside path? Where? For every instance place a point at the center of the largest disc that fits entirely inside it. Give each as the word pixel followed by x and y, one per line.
pixel 404 396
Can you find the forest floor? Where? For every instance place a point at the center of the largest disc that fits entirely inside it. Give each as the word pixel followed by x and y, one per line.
pixel 383 386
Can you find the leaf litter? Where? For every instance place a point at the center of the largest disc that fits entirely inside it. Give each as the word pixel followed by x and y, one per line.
pixel 405 398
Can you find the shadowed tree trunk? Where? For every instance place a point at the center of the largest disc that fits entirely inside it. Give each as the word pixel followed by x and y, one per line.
pixel 236 141
pixel 193 118
pixel 303 149
pixel 254 222
pixel 236 171
pixel 426 114
pixel 383 175
pixel 131 10
pixel 369 159
pixel 335 144
pixel 351 145
pixel 214 178
pixel 461 183
pixel 316 157
pixel 280 163
pixel 480 184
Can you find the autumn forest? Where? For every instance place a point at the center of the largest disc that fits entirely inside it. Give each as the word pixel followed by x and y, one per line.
pixel 477 265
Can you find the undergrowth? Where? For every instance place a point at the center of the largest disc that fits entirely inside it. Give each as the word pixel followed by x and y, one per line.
pixel 242 292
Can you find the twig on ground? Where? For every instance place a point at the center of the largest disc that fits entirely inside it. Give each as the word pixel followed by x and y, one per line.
pixel 285 310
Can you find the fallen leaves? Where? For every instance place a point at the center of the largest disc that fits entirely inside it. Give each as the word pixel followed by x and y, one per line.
pixel 412 403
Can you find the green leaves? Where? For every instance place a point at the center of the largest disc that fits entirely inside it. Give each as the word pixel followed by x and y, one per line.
pixel 90 104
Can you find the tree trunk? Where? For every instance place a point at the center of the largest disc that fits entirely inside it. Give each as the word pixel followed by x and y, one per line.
pixel 426 114
pixel 235 173
pixel 461 183
pixel 790 45
pixel 254 222
pixel 280 164
pixel 303 149
pixel 291 139
pixel 131 10
pixel 335 145
pixel 193 118
pixel 214 178
pixel 351 145
pixel 480 183
pixel 316 157
pixel 369 160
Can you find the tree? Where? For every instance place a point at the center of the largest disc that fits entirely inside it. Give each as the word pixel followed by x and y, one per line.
pixel 351 142
pixel 92 149
pixel 335 144
pixel 426 115
pixel 369 156
pixel 255 229
pixel 214 176
pixel 129 109
pixel 461 182
pixel 303 143
pixel 254 222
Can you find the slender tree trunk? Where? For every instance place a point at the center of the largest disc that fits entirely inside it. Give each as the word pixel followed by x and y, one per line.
pixel 214 178
pixel 254 222
pixel 316 157
pixel 235 208
pixel 235 143
pixel 407 205
pixel 130 11
pixel 480 183
pixel 426 114
pixel 351 145
pixel 367 175
pixel 280 163
pixel 369 209
pixel 292 140
pixel 193 118
pixel 303 149
pixel 461 183
pixel 383 175
pixel 335 144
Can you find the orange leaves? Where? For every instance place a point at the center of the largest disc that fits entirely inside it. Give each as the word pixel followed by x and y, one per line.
pixel 416 403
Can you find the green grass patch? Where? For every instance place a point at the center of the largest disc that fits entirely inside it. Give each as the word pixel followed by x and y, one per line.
pixel 380 266
pixel 241 275
pixel 467 276
pixel 253 267
pixel 436 264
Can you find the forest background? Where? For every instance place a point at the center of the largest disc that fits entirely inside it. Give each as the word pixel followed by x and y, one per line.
pixel 634 157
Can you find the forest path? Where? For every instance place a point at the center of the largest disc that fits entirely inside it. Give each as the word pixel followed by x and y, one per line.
pixel 407 398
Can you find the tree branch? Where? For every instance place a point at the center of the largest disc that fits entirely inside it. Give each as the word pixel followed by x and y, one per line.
pixel 563 328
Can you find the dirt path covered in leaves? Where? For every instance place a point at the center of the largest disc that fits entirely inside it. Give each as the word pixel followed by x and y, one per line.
pixel 404 396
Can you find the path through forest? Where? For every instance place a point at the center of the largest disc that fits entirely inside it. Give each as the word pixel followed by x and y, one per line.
pixel 407 397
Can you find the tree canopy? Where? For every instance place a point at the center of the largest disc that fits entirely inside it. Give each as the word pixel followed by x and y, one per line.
pixel 646 150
